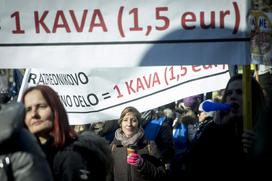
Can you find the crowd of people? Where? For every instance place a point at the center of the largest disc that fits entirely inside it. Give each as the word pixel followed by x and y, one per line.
pixel 179 140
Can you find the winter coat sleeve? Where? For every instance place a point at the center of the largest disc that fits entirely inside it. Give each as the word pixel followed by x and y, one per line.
pixel 152 168
pixel 68 166
pixel 26 166
pixel 21 157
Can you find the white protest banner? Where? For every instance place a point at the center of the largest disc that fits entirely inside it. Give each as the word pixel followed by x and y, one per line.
pixel 101 94
pixel 120 33
pixel 260 22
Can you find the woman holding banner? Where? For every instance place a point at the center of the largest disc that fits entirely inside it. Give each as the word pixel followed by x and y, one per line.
pixel 70 156
pixel 135 157
pixel 219 150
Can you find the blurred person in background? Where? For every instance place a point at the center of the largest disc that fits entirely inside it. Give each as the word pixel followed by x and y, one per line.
pixel 220 148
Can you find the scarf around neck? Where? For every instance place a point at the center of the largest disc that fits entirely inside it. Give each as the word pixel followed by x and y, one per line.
pixel 125 141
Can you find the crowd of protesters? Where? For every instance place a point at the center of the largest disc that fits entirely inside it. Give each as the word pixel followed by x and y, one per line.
pixel 179 140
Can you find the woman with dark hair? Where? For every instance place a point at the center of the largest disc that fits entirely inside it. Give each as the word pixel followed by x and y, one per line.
pixel 218 151
pixel 135 157
pixel 71 157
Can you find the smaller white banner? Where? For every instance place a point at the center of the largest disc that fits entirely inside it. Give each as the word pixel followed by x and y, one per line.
pixel 101 94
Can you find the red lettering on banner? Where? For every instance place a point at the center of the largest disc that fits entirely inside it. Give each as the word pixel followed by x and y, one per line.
pixel 40 21
pixel 101 23
pixel 202 20
pixel 76 21
pixel 79 28
pixel 129 87
pixel 57 24
pixel 147 83
pixel 184 70
pixel 156 79
pixel 142 83
pixel 208 66
pixel 60 21
pixel 19 29
pixel 139 85
pixel 196 68
pixel 222 18
pixel 189 19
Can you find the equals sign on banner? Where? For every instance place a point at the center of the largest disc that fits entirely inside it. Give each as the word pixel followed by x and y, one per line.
pixel 106 95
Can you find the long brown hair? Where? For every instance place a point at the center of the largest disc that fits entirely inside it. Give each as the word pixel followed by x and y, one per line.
pixel 61 132
pixel 258 100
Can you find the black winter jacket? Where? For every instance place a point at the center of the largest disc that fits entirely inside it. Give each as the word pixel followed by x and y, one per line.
pixel 87 158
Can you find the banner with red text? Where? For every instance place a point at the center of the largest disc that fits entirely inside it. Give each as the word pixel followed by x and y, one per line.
pixel 101 94
pixel 120 33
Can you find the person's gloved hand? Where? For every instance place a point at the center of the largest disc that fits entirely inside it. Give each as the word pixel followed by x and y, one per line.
pixel 135 159
pixel 248 140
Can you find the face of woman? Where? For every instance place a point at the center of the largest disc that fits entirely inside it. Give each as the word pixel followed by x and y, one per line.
pixel 39 116
pixel 234 96
pixel 130 124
